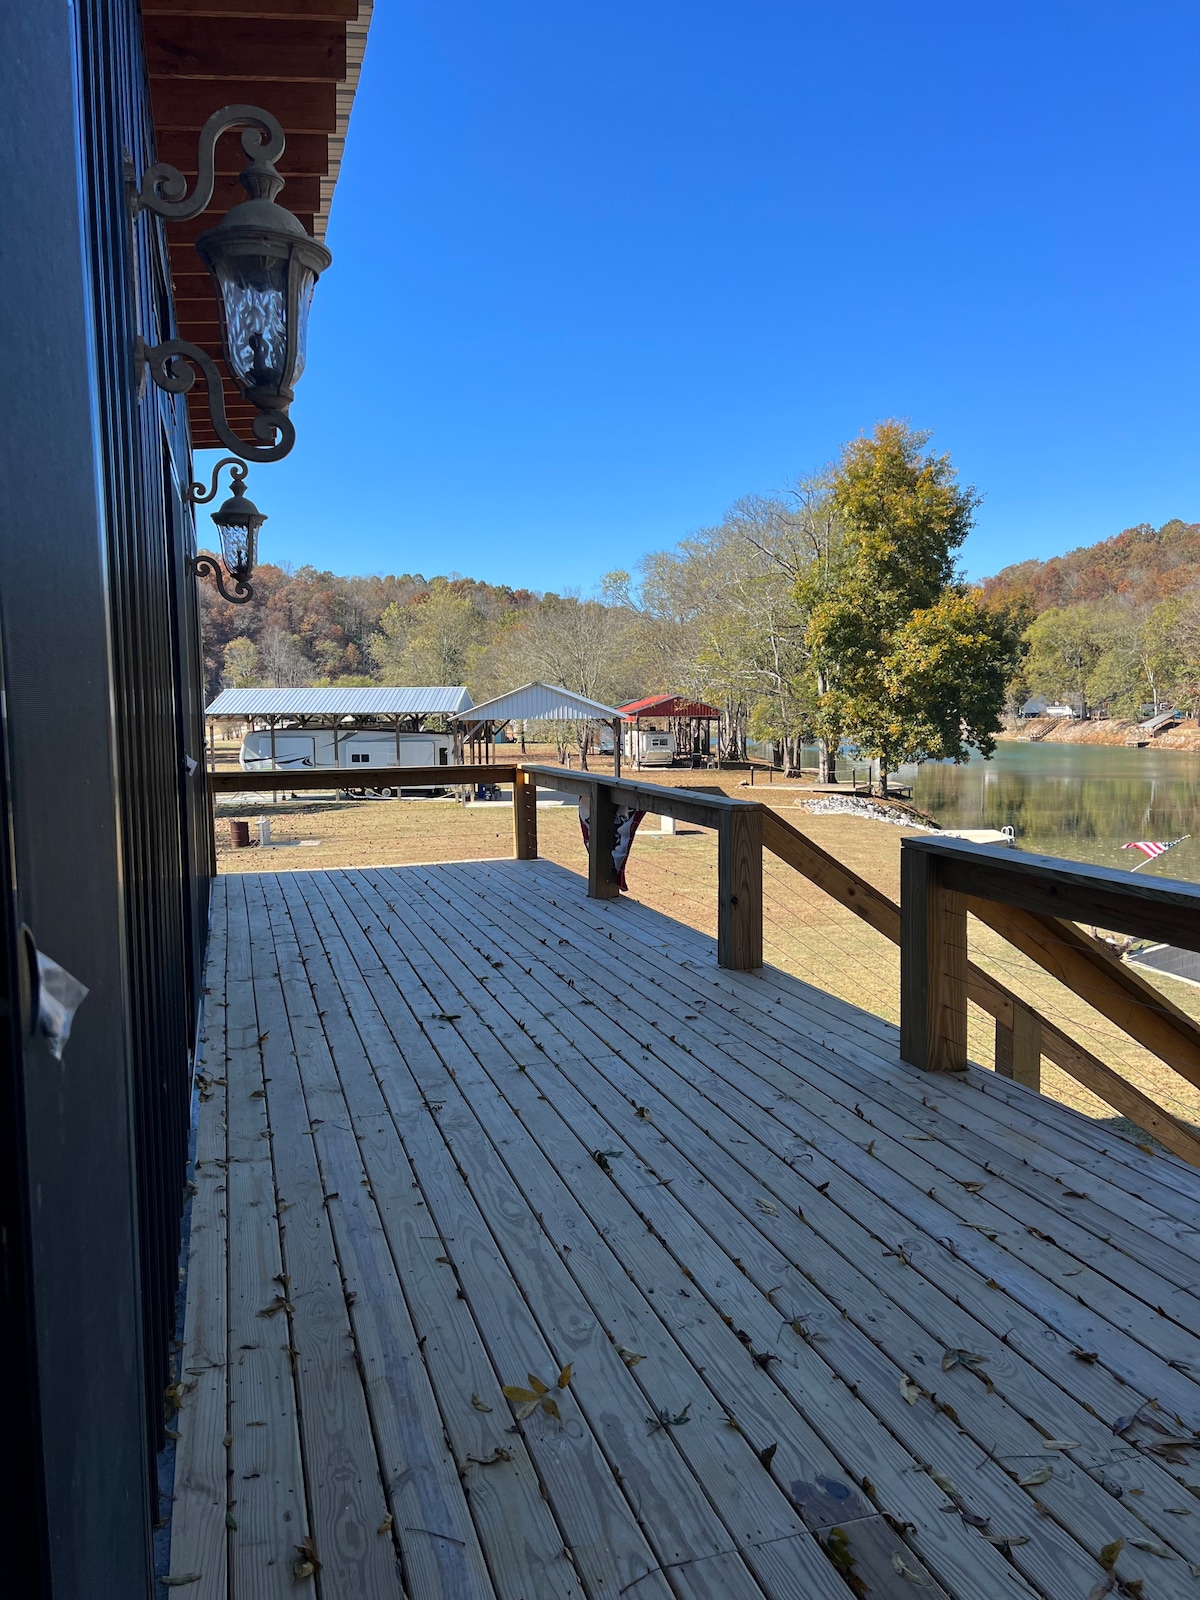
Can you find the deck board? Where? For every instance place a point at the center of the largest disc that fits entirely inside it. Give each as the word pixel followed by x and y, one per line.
pixel 781 1245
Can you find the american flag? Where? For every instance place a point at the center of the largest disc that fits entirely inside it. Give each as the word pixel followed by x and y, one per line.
pixel 1153 848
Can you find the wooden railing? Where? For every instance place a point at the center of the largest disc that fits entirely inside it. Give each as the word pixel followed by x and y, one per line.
pixel 1034 902
pixel 738 825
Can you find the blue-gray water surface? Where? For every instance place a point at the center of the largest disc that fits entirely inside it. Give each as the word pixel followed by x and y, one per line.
pixel 1080 801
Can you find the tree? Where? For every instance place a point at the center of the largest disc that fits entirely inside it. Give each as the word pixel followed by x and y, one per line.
pixel 283 662
pixel 435 640
pixel 913 660
pixel 240 669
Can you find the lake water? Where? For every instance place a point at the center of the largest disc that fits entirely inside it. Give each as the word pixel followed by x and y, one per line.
pixel 1079 801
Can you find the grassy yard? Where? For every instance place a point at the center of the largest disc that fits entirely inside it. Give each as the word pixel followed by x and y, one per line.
pixel 805 933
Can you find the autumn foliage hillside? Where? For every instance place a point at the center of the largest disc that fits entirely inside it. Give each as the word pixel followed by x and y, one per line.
pixel 1143 565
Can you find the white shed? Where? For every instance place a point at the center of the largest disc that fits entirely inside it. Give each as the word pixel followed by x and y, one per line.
pixel 539 702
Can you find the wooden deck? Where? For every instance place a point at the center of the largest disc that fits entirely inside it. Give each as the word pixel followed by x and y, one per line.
pixel 810 1324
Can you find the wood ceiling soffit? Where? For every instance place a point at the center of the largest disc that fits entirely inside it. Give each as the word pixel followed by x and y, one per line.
pixel 301 60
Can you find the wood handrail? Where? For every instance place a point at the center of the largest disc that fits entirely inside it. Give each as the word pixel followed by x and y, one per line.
pixel 1032 902
pixel 1010 1012
pixel 239 781
pixel 738 825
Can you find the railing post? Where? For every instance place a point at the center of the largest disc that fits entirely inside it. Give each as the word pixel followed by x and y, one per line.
pixel 933 966
pixel 1019 1048
pixel 739 889
pixel 602 827
pixel 525 839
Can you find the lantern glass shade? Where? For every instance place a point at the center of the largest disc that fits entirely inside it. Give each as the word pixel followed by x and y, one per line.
pixel 239 551
pixel 238 522
pixel 265 273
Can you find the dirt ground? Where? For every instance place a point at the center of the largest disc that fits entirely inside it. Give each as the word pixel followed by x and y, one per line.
pixel 805 933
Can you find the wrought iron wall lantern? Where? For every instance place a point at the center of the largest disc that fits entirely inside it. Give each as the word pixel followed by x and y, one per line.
pixel 264 268
pixel 238 521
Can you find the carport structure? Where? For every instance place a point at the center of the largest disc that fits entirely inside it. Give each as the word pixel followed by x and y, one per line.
pixel 689 720
pixel 402 710
pixel 534 702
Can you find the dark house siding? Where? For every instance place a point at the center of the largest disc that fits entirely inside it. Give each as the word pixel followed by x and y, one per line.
pixel 108 854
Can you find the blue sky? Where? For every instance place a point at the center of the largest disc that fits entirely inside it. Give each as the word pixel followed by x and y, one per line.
pixel 600 270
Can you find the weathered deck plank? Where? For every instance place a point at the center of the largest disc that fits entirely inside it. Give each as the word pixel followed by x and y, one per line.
pixel 422 1065
pixel 200 1534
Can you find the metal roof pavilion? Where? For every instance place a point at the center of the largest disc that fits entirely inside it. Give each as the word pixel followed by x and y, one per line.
pixel 671 705
pixel 541 702
pixel 431 701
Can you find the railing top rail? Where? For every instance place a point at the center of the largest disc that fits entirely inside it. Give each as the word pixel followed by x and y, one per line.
pixel 688 805
pixel 235 780
pixel 1163 909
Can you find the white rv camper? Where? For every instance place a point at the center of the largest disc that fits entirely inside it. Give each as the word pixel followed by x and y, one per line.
pixel 649 747
pixel 356 750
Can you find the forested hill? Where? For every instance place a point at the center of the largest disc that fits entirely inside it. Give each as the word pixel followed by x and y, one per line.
pixel 1142 565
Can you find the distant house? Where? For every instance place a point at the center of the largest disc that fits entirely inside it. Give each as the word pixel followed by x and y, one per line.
pixel 1035 706
pixel 1060 711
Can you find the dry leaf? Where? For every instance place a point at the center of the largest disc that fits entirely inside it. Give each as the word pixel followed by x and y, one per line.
pixel 909 1390
pixel 973 1187
pixel 1151 1548
pixel 386 1525
pixel 307 1562
pixel 536 1384
pixel 1099 1590
pixel 526 1409
pixel 771 1209
pixel 231 1522
pixel 629 1357
pixel 514 1391
pixel 905 1570
pixel 961 1358
pixel 480 1403
pixel 549 1406
pixel 564 1376
pixel 1032 1479
pixel 1111 1553
pixel 1061 1444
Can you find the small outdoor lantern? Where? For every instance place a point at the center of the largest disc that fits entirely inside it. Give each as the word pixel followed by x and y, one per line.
pixel 264 268
pixel 238 521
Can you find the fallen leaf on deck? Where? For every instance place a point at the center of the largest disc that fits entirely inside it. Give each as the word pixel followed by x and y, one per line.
pixel 1151 1548
pixel 307 1561
pixel 447 1016
pixel 536 1384
pixel 1085 1355
pixel 1005 1541
pixel 480 1403
pixel 603 1157
pixel 280 1303
pixel 973 1187
pixel 961 1358
pixel 768 1206
pixel 1032 1479
pixel 498 1454
pixel 564 1376
pixel 629 1357
pixel 1061 1444
pixel 1099 1590
pixel 910 1391
pixel 768 1455
pixel 386 1525
pixel 183 1577
pixel 231 1522
pixel 905 1570
pixel 664 1419
pixel 1110 1554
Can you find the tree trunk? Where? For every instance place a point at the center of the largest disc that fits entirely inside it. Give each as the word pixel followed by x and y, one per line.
pixel 883 781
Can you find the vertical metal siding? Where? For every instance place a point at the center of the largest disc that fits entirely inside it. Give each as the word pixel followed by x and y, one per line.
pixel 157 711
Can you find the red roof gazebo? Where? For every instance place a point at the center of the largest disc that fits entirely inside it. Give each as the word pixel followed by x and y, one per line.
pixel 690 720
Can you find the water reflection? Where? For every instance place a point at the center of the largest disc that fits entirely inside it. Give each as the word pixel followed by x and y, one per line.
pixel 1079 801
